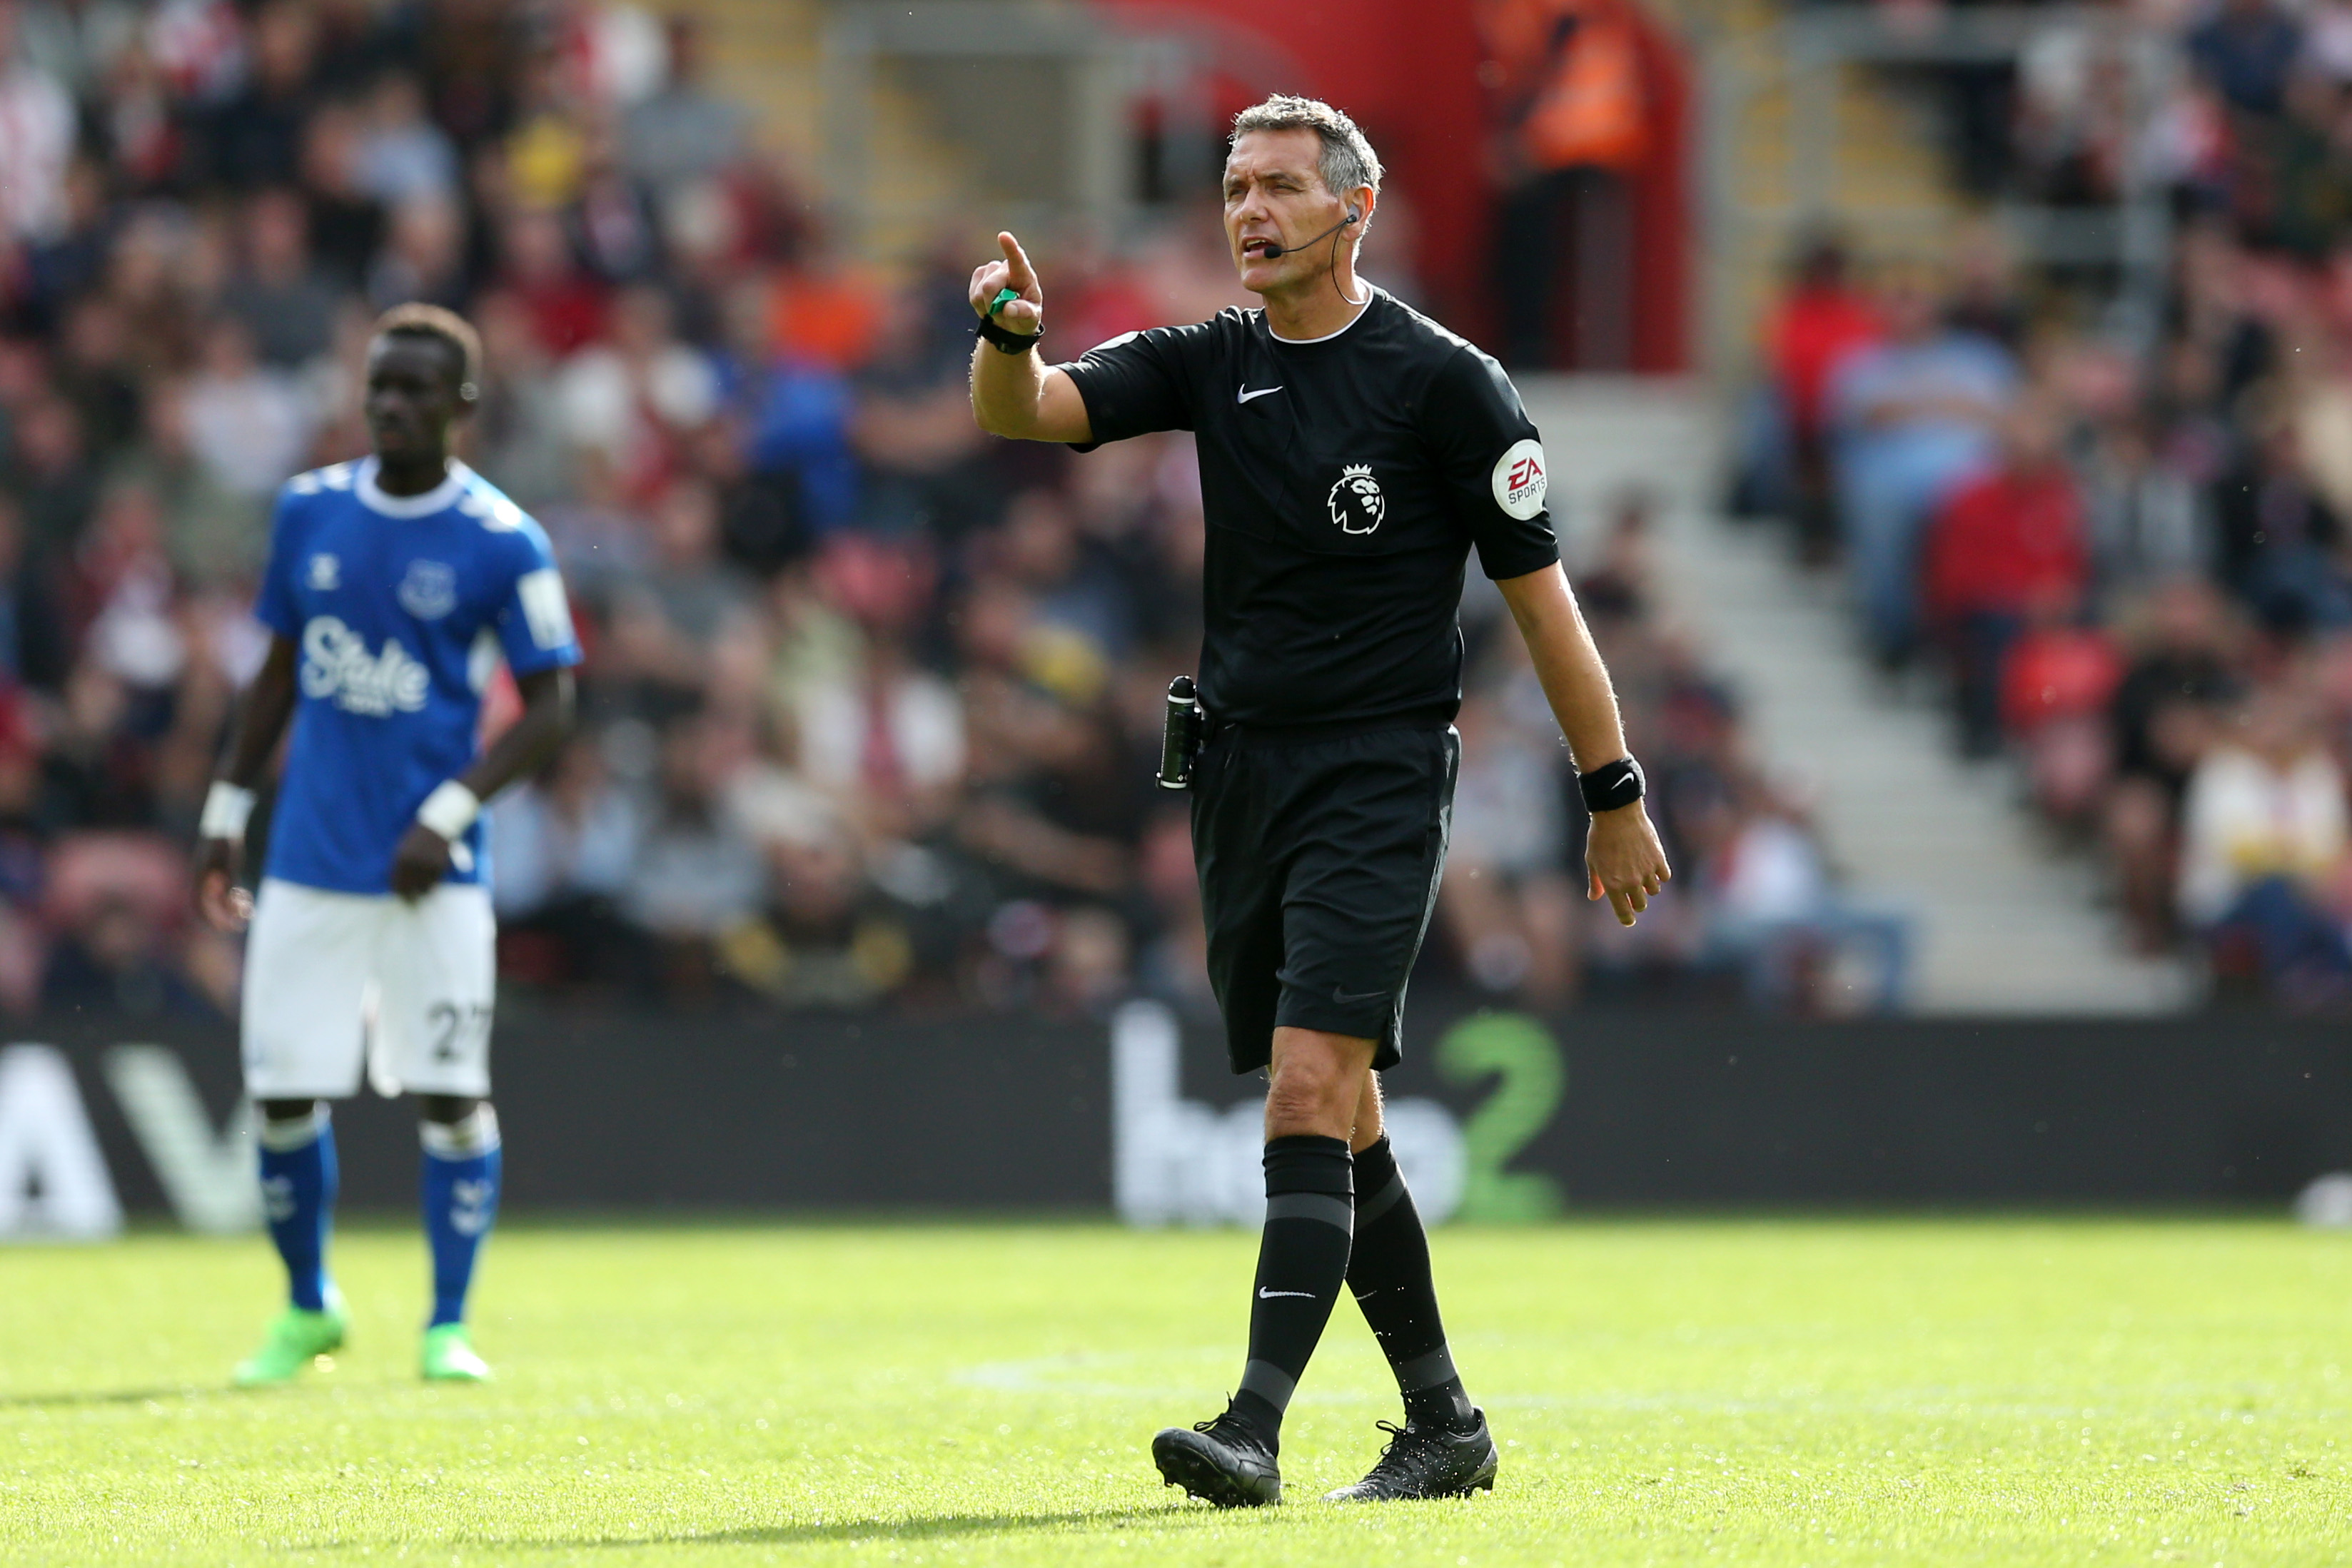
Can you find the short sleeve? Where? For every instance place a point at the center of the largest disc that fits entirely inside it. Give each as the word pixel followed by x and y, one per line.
pixel 275 606
pixel 1492 464
pixel 1141 382
pixel 534 620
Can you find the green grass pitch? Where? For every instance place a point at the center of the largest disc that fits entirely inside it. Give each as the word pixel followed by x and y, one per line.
pixel 1748 1391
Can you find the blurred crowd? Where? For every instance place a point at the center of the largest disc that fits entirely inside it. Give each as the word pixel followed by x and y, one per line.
pixel 871 702
pixel 2127 559
pixel 1755 914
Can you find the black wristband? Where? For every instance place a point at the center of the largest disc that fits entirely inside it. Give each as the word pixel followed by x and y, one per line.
pixel 1005 340
pixel 1611 785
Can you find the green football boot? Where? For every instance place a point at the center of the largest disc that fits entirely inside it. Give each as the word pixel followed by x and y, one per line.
pixel 297 1338
pixel 449 1356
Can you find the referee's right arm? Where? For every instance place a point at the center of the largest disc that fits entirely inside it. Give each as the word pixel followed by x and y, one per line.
pixel 1016 394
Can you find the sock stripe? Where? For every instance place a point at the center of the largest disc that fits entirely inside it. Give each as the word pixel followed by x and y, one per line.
pixel 475 1133
pixel 285 1137
pixel 1370 1209
pixel 1389 1274
pixel 1425 1371
pixel 1319 1206
pixel 1269 1383
pixel 1302 1264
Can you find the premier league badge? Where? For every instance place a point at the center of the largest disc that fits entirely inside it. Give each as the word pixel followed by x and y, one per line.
pixel 1356 503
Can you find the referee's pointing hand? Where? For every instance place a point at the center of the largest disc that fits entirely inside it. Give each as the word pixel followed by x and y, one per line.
pixel 1027 314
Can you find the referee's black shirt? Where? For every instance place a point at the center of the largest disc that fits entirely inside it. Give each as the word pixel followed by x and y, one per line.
pixel 1344 481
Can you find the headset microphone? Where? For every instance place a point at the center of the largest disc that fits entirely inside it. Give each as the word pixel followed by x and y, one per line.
pixel 1272 250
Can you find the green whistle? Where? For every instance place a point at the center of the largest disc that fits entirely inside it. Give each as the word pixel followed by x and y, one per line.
pixel 1002 295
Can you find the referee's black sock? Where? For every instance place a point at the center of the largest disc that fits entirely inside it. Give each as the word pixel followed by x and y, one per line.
pixel 1388 1272
pixel 1301 1263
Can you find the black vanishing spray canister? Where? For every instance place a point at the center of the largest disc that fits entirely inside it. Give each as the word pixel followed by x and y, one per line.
pixel 1179 736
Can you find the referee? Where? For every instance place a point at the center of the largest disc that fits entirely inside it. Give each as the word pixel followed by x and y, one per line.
pixel 1352 452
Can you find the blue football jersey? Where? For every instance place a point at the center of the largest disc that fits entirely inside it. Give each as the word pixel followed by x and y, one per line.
pixel 401 607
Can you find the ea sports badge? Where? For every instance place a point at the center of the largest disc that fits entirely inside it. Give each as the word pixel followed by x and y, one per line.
pixel 1520 482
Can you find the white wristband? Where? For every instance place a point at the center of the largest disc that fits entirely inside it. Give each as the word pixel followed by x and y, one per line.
pixel 228 808
pixel 450 810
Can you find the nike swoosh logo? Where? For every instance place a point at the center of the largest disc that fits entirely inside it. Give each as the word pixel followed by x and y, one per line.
pixel 1244 394
pixel 1343 999
pixel 1263 1293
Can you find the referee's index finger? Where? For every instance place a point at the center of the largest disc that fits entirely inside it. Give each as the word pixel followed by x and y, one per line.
pixel 1016 260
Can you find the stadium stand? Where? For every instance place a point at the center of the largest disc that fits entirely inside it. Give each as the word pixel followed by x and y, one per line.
pixel 2124 565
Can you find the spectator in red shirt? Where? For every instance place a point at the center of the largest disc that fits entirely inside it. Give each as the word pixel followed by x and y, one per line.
pixel 2003 544
pixel 2056 685
pixel 1823 318
pixel 565 304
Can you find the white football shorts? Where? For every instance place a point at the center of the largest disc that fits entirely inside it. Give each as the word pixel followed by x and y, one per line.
pixel 335 982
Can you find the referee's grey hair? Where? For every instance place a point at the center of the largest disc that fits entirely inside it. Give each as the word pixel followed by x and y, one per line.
pixel 1347 157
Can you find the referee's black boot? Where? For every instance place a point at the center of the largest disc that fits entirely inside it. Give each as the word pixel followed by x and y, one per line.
pixel 1223 1461
pixel 1427 1461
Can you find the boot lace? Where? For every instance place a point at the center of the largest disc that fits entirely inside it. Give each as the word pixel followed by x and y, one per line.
pixel 1411 1456
pixel 1232 1429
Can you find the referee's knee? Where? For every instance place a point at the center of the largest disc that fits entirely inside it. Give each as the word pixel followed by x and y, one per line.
pixel 1317 1080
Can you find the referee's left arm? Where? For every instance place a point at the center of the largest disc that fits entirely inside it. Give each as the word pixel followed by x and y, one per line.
pixel 1626 863
pixel 1492 458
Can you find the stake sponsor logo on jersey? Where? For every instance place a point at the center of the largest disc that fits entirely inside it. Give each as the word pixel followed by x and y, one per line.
pixel 337 668
pixel 1356 503
pixel 1519 481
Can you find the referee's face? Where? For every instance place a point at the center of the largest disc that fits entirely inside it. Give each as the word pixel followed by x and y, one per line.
pixel 1273 194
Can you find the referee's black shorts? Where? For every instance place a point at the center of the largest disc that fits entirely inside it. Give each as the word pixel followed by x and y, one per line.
pixel 1319 857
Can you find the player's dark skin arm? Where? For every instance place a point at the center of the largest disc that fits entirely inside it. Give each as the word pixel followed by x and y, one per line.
pixel 254 732
pixel 422 860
